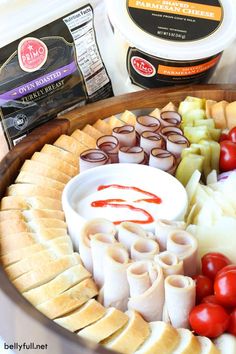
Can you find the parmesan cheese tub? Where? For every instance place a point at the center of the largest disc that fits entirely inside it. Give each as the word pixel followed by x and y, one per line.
pixel 162 42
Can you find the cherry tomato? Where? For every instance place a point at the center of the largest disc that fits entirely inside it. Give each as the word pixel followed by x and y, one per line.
pixel 211 299
pixel 223 137
pixel 232 323
pixel 209 320
pixel 212 263
pixel 226 269
pixel 232 135
pixel 227 156
pixel 204 287
pixel 225 287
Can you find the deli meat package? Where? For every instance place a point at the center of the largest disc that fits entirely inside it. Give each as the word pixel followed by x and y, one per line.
pixel 52 58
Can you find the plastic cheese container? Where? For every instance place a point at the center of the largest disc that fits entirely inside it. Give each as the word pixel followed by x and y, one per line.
pixel 162 43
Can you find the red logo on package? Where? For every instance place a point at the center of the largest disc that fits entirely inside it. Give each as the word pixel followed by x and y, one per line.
pixel 143 67
pixel 32 54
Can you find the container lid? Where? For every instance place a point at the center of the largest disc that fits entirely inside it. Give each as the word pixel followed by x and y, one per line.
pixel 175 30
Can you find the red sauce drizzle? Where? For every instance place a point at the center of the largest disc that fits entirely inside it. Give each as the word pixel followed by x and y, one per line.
pixel 114 203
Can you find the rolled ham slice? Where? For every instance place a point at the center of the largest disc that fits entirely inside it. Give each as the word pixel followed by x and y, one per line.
pixel 162 159
pixel 92 158
pixel 126 135
pixel 90 228
pixel 133 154
pixel 168 118
pixel 169 263
pixel 116 287
pixel 110 145
pixel 99 244
pixel 129 232
pixel 144 249
pixel 175 143
pixel 150 140
pixel 169 130
pixel 163 228
pixel 146 283
pixel 147 123
pixel 180 293
pixel 185 246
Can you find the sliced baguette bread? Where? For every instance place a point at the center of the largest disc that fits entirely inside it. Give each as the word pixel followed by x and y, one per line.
pixel 103 127
pixel 60 154
pixel 34 178
pixel 30 215
pixel 88 141
pixel 130 337
pixel 32 190
pixel 114 122
pixel 226 343
pixel 69 300
pixel 163 339
pixel 111 322
pixel 207 346
pixel 85 315
pixel 128 118
pixel 46 273
pixel 58 285
pixel 27 203
pixel 188 343
pixel 93 132
pixel 70 144
pixel 55 162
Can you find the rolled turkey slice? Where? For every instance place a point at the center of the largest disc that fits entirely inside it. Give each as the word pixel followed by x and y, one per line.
pixel 147 123
pixel 168 118
pixel 185 246
pixel 126 135
pixel 207 346
pixel 99 244
pixel 110 145
pixel 180 290
pixel 163 228
pixel 151 140
pixel 92 158
pixel 129 232
pixel 116 287
pixel 188 343
pixel 133 154
pixel 146 282
pixel 162 159
pixel 169 130
pixel 169 263
pixel 163 339
pixel 130 337
pixel 90 228
pixel 144 249
pixel 175 143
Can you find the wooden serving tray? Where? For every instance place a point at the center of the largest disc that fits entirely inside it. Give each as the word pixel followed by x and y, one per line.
pixel 79 117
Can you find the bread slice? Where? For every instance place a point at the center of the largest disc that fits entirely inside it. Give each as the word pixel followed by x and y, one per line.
pixel 14 226
pixel 54 162
pixel 231 115
pixel 41 169
pixel 85 315
pixel 69 300
pixel 170 107
pixel 34 178
pixel 29 215
pixel 46 273
pixel 21 253
pixel 163 339
pixel 27 203
pixel 103 127
pixel 88 141
pixel 218 111
pixel 130 337
pixel 35 261
pixel 58 285
pixel 60 154
pixel 32 190
pixel 207 346
pixel 209 104
pixel 93 132
pixel 188 343
pixel 15 242
pixel 70 144
pixel 226 343
pixel 114 122
pixel 128 117
pixel 111 322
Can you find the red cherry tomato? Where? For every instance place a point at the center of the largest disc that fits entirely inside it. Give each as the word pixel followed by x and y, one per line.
pixel 227 156
pixel 226 269
pixel 209 320
pixel 225 287
pixel 223 137
pixel 232 135
pixel 212 263
pixel 204 287
pixel 232 323
pixel 211 299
